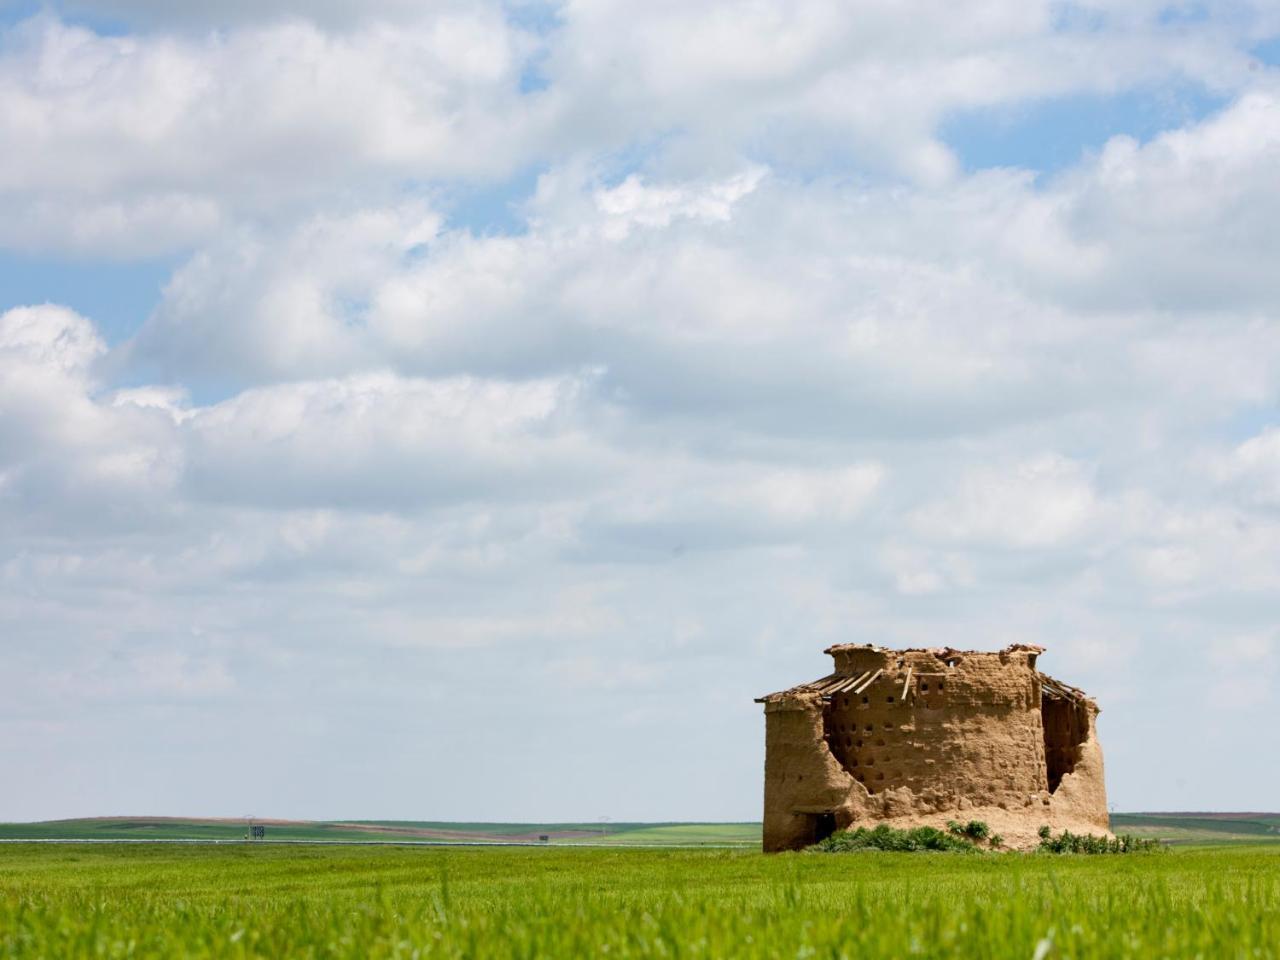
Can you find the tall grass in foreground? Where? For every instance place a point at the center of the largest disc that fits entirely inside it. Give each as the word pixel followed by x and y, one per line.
pixel 274 902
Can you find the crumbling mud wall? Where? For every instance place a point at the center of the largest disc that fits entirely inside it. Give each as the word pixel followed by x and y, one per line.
pixel 802 783
pixel 923 736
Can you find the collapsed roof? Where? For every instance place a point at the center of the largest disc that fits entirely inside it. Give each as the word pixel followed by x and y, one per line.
pixel 837 683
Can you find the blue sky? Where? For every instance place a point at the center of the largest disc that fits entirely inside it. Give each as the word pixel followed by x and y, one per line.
pixel 119 295
pixel 1055 134
pixel 509 393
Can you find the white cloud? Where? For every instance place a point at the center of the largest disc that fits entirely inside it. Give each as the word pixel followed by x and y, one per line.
pixel 1255 466
pixel 632 203
pixel 917 570
pixel 1184 220
pixel 863 80
pixel 985 295
pixel 339 12
pixel 803 496
pixel 1245 671
pixel 379 440
pixel 49 336
pixel 146 143
pixel 133 145
pixel 732 285
pixel 1035 503
pixel 266 305
pixel 66 458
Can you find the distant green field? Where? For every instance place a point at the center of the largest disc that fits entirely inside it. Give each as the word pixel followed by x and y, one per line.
pixel 1200 828
pixel 143 828
pixel 608 832
pixel 129 900
pixel 746 834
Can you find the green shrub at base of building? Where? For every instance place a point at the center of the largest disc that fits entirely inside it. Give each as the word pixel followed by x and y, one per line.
pixel 884 837
pixel 1068 842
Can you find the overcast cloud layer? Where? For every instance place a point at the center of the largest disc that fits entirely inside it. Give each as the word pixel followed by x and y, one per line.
pixel 533 385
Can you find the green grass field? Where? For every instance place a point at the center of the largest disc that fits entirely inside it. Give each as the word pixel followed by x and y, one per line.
pixel 264 901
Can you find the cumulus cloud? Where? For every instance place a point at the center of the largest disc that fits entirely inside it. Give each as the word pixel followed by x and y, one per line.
pixel 146 143
pixel 1253 468
pixel 715 279
pixel 861 80
pixel 157 12
pixel 264 305
pixel 133 145
pixel 372 439
pixel 634 203
pixel 68 461
pixel 50 336
pixel 382 440
pixel 969 307
pixel 1035 503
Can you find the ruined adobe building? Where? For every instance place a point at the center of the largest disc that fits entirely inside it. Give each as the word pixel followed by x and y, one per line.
pixel 914 737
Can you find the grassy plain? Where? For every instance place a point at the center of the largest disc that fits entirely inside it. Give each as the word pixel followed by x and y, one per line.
pixel 1199 828
pixel 1179 828
pixel 186 828
pixel 264 901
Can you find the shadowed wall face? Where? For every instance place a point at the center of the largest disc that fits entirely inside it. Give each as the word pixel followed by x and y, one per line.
pixel 1066 727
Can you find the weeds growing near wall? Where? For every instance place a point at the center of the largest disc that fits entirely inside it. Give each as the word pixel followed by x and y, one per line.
pixel 1068 842
pixel 975 829
pixel 884 837
pixel 958 838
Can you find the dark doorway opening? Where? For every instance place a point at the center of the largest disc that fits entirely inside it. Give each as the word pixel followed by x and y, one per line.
pixel 821 826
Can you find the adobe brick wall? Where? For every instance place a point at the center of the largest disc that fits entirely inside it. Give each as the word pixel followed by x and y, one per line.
pixel 937 735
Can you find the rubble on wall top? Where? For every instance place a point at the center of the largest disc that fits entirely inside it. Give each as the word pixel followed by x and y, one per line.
pixel 838 683
pixel 940 652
